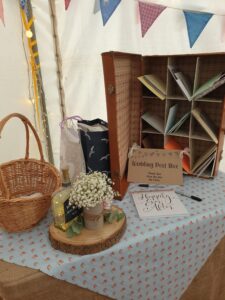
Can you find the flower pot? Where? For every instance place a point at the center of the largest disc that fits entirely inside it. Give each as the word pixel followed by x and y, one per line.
pixel 93 217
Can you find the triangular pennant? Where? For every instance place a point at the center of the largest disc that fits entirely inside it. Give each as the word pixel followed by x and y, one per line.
pixel 196 22
pixel 107 8
pixel 24 6
pixel 149 12
pixel 2 12
pixel 96 6
pixel 22 3
pixel 67 3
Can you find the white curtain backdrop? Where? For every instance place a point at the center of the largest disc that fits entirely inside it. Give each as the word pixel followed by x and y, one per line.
pixel 14 84
pixel 82 40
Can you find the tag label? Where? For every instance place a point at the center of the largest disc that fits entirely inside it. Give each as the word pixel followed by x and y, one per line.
pixel 71 212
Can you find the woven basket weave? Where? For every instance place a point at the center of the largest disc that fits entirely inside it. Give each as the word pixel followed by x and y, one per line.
pixel 23 177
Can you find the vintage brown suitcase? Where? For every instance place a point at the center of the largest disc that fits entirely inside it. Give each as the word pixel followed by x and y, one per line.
pixel 127 99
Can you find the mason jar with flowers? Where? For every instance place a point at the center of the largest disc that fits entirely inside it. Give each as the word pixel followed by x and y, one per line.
pixel 94 193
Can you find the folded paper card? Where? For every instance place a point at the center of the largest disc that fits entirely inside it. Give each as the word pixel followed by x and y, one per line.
pixel 155 166
pixel 210 85
pixel 182 81
pixel 154 121
pixel 177 127
pixel 158 203
pixel 171 117
pixel 174 125
pixel 154 84
pixel 185 86
pixel 207 167
pixel 206 123
pixel 201 164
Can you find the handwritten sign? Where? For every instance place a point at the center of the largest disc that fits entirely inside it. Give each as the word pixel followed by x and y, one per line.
pixel 156 203
pixel 155 166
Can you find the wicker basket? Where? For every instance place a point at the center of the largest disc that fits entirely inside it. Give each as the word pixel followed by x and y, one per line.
pixel 23 177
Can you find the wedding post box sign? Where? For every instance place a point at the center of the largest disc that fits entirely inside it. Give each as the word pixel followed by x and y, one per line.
pixel 155 166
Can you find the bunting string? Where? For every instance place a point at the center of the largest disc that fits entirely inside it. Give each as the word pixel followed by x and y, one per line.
pixel 195 10
pixel 148 12
pixel 196 21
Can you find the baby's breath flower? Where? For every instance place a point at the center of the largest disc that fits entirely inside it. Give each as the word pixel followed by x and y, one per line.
pixel 91 189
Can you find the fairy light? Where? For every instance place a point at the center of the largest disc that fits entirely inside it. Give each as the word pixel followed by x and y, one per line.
pixel 31 102
pixel 27 21
pixel 29 34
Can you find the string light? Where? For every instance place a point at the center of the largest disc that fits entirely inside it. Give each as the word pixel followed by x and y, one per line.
pixel 31 101
pixel 28 101
pixel 33 72
pixel 29 34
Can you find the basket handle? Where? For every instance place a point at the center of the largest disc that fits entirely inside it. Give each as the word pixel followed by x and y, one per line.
pixel 27 125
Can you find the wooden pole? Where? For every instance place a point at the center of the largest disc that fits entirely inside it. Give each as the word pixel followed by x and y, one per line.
pixel 58 57
pixel 38 87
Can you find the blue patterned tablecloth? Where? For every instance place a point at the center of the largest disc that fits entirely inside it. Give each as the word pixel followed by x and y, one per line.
pixel 156 258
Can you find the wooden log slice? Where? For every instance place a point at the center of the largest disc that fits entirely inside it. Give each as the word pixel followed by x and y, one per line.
pixel 88 241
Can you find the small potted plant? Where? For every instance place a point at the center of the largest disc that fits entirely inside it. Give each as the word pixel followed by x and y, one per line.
pixel 94 193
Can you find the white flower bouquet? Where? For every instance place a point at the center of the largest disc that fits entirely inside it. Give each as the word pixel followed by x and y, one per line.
pixel 89 190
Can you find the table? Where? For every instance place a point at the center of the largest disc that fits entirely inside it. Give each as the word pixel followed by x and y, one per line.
pixel 18 282
pixel 156 259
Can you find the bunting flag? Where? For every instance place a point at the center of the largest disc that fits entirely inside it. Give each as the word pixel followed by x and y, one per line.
pixel 22 3
pixel 196 22
pixel 149 12
pixel 107 8
pixel 24 6
pixel 67 3
pixel 96 6
pixel 2 12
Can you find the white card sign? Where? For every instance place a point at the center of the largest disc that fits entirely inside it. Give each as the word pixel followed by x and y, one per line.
pixel 158 203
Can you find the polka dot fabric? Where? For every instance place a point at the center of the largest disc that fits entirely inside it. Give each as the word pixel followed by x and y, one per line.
pixel 156 258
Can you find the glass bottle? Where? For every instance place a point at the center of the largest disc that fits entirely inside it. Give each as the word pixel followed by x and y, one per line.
pixel 63 212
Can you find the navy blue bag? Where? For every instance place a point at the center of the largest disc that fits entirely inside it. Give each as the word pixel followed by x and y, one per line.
pixel 95 144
